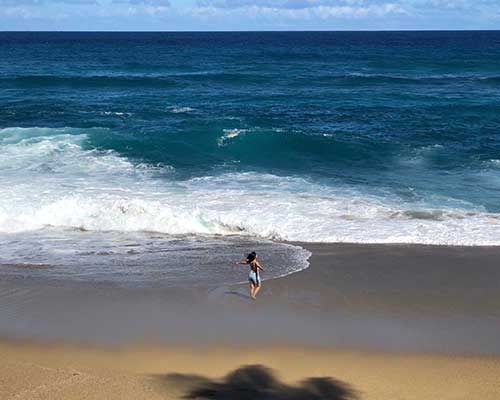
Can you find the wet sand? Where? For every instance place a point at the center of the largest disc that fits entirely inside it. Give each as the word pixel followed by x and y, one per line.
pixel 374 297
pixel 391 321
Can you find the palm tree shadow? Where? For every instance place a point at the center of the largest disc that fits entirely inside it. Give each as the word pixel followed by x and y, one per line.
pixel 256 382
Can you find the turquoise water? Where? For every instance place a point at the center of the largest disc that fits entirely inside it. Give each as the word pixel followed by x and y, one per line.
pixel 367 137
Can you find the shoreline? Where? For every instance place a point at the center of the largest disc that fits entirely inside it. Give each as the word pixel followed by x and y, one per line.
pixel 372 297
pixel 385 321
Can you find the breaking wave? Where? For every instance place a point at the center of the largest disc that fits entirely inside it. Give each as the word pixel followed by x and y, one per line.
pixel 55 178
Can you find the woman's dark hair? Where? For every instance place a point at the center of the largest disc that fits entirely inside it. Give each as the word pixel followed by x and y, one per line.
pixel 251 256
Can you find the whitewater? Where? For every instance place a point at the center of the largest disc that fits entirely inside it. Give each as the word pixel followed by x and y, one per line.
pixel 52 179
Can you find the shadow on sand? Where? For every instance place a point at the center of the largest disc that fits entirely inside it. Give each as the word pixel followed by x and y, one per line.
pixel 256 382
pixel 238 294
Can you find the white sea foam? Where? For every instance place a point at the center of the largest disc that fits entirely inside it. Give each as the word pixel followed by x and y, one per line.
pixel 50 179
pixel 117 113
pixel 229 134
pixel 180 110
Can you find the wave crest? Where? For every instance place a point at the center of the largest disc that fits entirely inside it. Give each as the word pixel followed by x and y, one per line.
pixel 54 178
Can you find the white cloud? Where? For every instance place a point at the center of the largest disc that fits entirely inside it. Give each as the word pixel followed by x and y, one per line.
pixel 250 14
pixel 344 7
pixel 147 3
pixel 300 9
pixel 67 9
pixel 138 7
pixel 26 3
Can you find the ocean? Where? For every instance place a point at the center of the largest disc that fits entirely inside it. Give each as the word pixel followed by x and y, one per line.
pixel 159 159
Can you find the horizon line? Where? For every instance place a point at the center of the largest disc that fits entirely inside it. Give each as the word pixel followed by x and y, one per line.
pixel 249 30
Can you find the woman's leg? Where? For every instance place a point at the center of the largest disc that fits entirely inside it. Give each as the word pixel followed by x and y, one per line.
pixel 252 290
pixel 256 290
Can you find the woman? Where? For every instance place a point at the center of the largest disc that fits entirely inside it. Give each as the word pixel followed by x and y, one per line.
pixel 254 275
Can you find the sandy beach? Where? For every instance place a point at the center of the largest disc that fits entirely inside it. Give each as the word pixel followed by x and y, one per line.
pixel 56 371
pixel 394 321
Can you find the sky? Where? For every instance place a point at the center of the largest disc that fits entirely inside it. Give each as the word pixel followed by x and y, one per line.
pixel 223 15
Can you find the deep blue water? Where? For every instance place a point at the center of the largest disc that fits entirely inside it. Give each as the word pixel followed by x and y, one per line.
pixel 315 136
